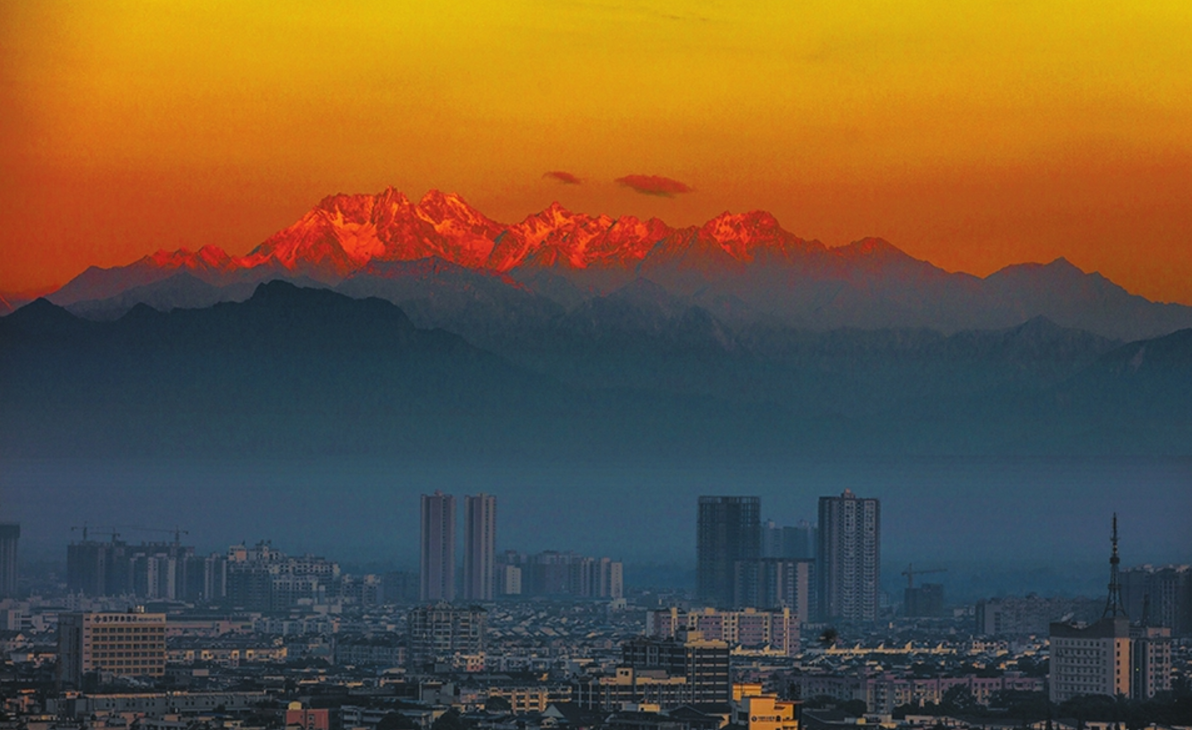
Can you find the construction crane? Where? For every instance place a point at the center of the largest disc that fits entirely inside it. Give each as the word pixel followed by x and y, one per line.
pixel 910 573
pixel 87 530
pixel 176 531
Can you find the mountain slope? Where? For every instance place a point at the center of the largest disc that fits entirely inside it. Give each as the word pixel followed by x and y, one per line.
pixel 304 372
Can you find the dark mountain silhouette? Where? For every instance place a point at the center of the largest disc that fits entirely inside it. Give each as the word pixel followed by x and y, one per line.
pixel 634 374
pixel 307 371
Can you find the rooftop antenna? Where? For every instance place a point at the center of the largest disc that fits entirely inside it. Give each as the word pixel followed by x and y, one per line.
pixel 1113 604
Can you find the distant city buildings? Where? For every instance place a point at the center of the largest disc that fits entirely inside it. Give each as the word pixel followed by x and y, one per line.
pixel 554 573
pixel 925 601
pixel 151 570
pixel 1020 616
pixel 749 629
pixel 10 535
pixel 131 644
pixel 437 563
pixel 885 691
pixel 262 578
pixel 480 547
pixel 849 558
pixel 1163 596
pixel 728 548
pixel 1109 657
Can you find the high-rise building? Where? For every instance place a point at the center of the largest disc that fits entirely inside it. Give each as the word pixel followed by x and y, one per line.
pixel 792 542
pixel 1166 593
pixel 480 546
pixel 785 583
pixel 158 570
pixel 129 644
pixel 438 547
pixel 799 542
pixel 849 557
pixel 728 546
pixel 10 533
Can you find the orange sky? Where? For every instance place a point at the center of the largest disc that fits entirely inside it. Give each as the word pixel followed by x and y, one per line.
pixel 972 135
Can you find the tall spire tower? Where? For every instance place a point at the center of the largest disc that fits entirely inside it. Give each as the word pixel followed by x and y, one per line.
pixel 1113 604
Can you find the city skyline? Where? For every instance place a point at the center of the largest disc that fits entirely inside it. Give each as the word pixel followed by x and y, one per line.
pixel 907 536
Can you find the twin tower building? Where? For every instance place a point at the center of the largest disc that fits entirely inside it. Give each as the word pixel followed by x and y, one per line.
pixel 831 574
pixel 438 547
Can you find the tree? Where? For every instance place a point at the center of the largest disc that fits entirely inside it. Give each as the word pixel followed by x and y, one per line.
pixel 497 704
pixel 396 721
pixel 958 699
pixel 449 720
pixel 855 708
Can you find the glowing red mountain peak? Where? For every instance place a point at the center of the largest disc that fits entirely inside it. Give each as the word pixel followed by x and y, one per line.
pixel 344 233
pixel 744 235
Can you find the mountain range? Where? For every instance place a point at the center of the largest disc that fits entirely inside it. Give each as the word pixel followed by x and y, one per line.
pixel 634 375
pixel 426 330
pixel 442 260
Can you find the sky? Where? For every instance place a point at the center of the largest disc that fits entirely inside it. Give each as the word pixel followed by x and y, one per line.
pixel 973 135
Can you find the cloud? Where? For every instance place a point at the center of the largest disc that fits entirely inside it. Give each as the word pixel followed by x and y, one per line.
pixel 655 185
pixel 564 177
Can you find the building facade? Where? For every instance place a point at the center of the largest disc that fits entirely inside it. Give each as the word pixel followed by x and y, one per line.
pixel 437 565
pixel 1163 594
pixel 849 559
pixel 129 644
pixel 728 548
pixel 776 630
pixel 440 633
pixel 10 535
pixel 696 668
pixel 788 583
pixel 1150 661
pixel 480 546
pixel 1090 660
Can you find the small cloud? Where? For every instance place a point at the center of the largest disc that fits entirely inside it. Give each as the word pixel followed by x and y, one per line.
pixel 564 177
pixel 654 185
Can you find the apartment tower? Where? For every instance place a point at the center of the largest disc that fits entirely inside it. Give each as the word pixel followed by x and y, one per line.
pixel 728 547
pixel 438 547
pixel 849 557
pixel 480 546
pixel 10 534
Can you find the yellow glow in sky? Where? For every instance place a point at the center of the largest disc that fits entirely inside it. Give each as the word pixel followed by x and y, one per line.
pixel 971 134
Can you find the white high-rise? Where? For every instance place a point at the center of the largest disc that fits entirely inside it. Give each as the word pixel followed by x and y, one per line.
pixel 849 557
